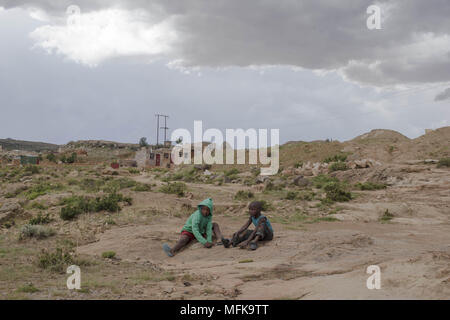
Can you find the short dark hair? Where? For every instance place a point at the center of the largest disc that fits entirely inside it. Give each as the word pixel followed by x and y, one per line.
pixel 256 205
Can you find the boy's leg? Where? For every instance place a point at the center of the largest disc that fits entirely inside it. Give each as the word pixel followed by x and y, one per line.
pixel 262 233
pixel 184 240
pixel 218 234
pixel 241 237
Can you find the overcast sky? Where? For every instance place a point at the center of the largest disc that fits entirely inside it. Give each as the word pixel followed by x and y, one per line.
pixel 310 68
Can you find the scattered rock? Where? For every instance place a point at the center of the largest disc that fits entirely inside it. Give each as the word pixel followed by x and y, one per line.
pixel 9 209
pixel 301 181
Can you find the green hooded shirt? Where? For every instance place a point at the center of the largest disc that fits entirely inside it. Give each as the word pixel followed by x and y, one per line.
pixel 198 225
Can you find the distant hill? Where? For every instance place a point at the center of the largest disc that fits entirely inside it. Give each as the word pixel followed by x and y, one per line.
pixel 11 144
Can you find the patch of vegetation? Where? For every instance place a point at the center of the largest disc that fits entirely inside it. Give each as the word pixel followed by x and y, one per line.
pixel 340 157
pixel 298 164
pixel 40 219
pixel 108 255
pixel 270 186
pixel 16 192
pixel 77 205
pixel 32 169
pixel 133 171
pixel 55 261
pixel 69 159
pixel 370 186
pixel 231 172
pixel 119 184
pixel 35 231
pixel 337 166
pixel 38 205
pixel 28 288
pixel 178 188
pixel 445 162
pixel 142 187
pixel 387 216
pixel 52 158
pixel 266 205
pixel 243 195
pixel 335 191
pixel 291 195
pixel 322 179
pixel 42 189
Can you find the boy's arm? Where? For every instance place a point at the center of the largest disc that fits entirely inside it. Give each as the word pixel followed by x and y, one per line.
pixel 244 227
pixel 209 231
pixel 195 230
pixel 253 234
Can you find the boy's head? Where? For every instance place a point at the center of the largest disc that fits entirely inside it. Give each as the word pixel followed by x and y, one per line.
pixel 255 208
pixel 204 211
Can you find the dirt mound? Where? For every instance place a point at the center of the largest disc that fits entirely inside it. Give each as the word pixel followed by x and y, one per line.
pixel 434 144
pixel 380 135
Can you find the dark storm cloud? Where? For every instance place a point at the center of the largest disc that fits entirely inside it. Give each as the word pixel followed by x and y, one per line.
pixel 412 46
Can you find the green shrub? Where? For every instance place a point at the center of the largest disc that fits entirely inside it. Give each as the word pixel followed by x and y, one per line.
pixel 231 172
pixel 336 166
pixel 336 158
pixel 133 171
pixel 52 158
pixel 322 179
pixel 76 205
pixel 42 189
pixel 142 187
pixel 40 219
pixel 70 159
pixel 298 164
pixel 370 186
pixel 335 192
pixel 55 261
pixel 270 186
pixel 445 162
pixel 243 195
pixel 28 288
pixel 35 231
pixel 266 206
pixel 108 254
pixel 32 169
pixel 119 184
pixel 178 188
pixel 38 205
pixel 291 195
pixel 306 195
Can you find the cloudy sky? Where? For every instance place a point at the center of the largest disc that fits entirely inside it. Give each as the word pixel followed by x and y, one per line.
pixel 97 69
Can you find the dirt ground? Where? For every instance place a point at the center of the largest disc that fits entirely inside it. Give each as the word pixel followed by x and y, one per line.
pixel 320 250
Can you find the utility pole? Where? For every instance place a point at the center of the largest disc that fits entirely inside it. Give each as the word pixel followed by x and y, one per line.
pixel 158 128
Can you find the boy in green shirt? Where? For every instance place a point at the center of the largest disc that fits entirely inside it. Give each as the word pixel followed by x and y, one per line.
pixel 198 226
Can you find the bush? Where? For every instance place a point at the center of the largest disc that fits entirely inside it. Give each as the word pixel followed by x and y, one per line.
pixel 52 158
pixel 291 195
pixel 178 188
pixel 75 205
pixel 336 158
pixel 133 171
pixel 370 186
pixel 231 172
pixel 108 254
pixel 42 189
pixel 40 219
pixel 35 231
pixel 336 166
pixel 55 261
pixel 266 206
pixel 142 187
pixel 336 192
pixel 322 179
pixel 445 162
pixel 119 184
pixel 298 164
pixel 71 159
pixel 28 288
pixel 32 169
pixel 243 195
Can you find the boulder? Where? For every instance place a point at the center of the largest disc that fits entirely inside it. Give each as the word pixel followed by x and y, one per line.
pixel 301 181
pixel 9 209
